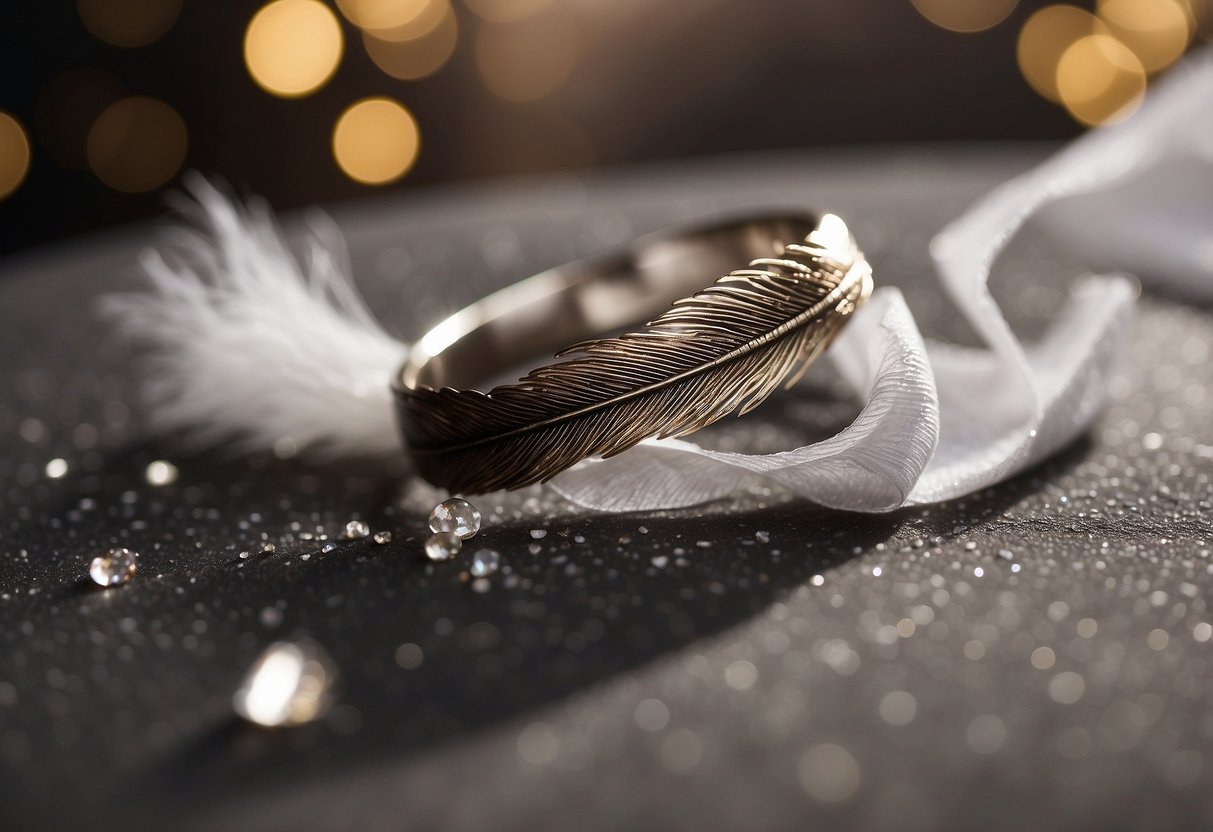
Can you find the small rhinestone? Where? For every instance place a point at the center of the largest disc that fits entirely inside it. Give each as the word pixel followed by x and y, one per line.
pixel 455 515
pixel 443 546
pixel 114 567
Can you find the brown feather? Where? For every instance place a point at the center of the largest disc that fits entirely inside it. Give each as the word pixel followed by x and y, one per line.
pixel 723 350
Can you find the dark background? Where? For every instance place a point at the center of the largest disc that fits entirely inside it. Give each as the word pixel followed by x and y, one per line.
pixel 650 81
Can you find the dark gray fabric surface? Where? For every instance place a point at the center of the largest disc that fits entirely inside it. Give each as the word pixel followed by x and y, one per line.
pixel 1034 656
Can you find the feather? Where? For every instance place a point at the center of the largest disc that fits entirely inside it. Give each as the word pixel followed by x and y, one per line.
pixel 725 349
pixel 247 345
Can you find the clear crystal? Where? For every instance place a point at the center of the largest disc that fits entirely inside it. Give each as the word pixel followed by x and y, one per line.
pixel 356 530
pixel 485 562
pixel 328 547
pixel 114 567
pixel 382 537
pixel 290 684
pixel 455 515
pixel 443 546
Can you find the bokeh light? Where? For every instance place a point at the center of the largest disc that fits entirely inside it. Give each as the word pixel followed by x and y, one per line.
pixel 431 15
pixel 292 47
pixel 14 154
pixel 1158 31
pixel 523 63
pixel 137 144
pixel 1045 37
pixel 67 107
pixel 1100 80
pixel 376 141
pixel 128 23
pixel 964 15
pixel 392 14
pixel 506 11
pixel 415 58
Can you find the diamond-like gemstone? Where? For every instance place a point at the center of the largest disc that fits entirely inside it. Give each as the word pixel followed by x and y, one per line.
pixel 455 515
pixel 443 546
pixel 356 530
pixel 114 567
pixel 485 562
pixel 382 537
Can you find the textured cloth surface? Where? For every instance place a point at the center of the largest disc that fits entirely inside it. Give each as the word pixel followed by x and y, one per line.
pixel 1034 655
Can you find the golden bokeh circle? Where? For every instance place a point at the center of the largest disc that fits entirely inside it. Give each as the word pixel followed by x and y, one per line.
pixel 293 47
pixel 1158 31
pixel 387 14
pixel 137 144
pixel 523 63
pixel 506 11
pixel 430 16
pixel 415 58
pixel 128 23
pixel 965 15
pixel 14 154
pixel 1045 37
pixel 1100 80
pixel 376 141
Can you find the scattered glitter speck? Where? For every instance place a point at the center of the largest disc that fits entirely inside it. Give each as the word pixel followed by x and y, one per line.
pixel 1067 687
pixel 113 568
pixel 986 734
pixel 442 546
pixel 898 707
pixel 1043 658
pixel 409 656
pixel 740 675
pixel 289 684
pixel 681 750
pixel 485 562
pixel 537 744
pixel 56 469
pixel 355 530
pixel 829 773
pixel 651 715
pixel 160 472
pixel 457 516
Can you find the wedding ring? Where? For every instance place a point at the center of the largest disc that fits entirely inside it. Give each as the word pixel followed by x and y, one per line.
pixel 790 283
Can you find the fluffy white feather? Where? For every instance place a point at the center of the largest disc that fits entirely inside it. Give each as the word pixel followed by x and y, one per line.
pixel 249 345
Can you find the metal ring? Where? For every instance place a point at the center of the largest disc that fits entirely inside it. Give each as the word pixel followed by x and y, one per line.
pixel 711 352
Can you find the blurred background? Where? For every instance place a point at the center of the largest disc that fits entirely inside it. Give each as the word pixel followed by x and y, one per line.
pixel 104 103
